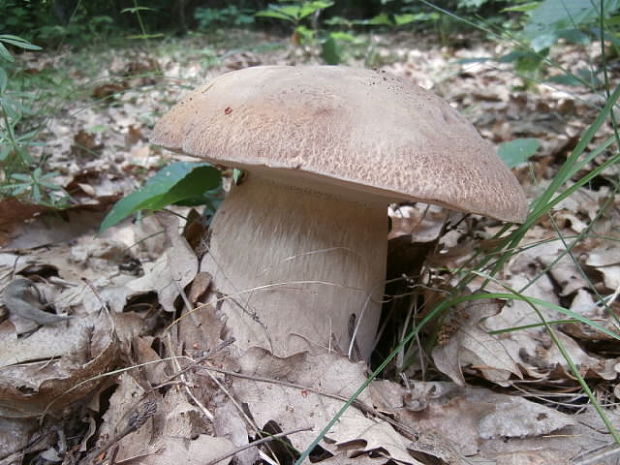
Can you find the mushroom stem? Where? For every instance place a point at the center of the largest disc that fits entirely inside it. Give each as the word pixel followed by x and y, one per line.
pixel 298 270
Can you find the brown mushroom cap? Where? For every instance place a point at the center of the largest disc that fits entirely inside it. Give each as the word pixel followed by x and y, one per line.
pixel 364 130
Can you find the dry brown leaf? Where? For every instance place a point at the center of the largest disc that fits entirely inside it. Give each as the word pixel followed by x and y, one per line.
pixel 85 144
pixel 534 457
pixel 342 458
pixel 550 358
pixel 14 438
pixel 171 272
pixel 584 305
pixel 565 272
pixel 55 367
pixel 423 222
pixel 587 441
pixel 292 407
pixel 142 352
pixel 194 451
pixel 53 228
pixel 127 397
pixel 140 155
pixel 471 417
pixel 471 345
pixel 532 348
pixel 109 91
pixel 176 432
pixel 230 425
pixel 200 286
pixel 133 136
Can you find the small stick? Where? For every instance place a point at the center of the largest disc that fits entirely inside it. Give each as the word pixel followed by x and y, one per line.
pixel 405 430
pixel 175 361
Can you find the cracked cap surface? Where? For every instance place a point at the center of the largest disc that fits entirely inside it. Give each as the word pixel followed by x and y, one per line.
pixel 358 129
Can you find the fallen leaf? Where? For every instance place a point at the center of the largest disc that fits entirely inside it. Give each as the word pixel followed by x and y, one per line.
pixel 471 345
pixel 54 367
pixel 171 272
pixel 291 408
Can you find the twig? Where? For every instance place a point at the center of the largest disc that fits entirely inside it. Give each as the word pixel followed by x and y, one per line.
pixel 136 418
pixel 196 363
pixel 249 420
pixel 403 429
pixel 9 456
pixel 93 289
pixel 175 361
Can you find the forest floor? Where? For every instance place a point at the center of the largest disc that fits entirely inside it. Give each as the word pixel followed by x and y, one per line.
pixel 128 380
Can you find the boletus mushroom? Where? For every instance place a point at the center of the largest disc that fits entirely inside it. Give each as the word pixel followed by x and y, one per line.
pixel 298 249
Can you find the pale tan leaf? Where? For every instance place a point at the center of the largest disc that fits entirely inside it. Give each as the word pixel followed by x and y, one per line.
pixel 55 366
pixel 294 407
pixel 472 345
pixel 174 270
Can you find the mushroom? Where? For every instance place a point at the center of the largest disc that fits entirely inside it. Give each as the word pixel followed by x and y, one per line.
pixel 299 248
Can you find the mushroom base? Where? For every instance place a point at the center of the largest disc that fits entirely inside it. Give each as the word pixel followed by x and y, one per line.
pixel 298 270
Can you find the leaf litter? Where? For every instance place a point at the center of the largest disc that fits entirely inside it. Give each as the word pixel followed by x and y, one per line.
pixel 144 372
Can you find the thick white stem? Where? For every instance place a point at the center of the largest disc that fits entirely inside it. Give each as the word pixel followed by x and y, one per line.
pixel 298 269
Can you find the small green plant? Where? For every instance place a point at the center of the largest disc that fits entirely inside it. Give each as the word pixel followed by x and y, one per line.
pixel 231 16
pixel 405 17
pixel 296 13
pixel 19 16
pixel 20 174
pixel 97 27
pixel 37 184
pixel 425 15
pixel 548 21
pixel 137 10
pixel 304 17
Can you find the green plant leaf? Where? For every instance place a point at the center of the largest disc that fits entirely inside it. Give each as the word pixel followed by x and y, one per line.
pixel 565 79
pixel 4 80
pixel 330 52
pixel 17 41
pixel 407 18
pixel 382 19
pixel 517 151
pixel 575 36
pixel 345 36
pixel 471 3
pixel 522 8
pixel 5 151
pixel 274 14
pixel 553 15
pixel 146 36
pixel 175 183
pixel 21 177
pixel 136 9
pixel 5 55
pixel 466 61
pixel 543 41
pixel 312 7
pixel 305 33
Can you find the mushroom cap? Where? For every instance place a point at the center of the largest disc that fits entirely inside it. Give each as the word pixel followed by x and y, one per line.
pixel 366 131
